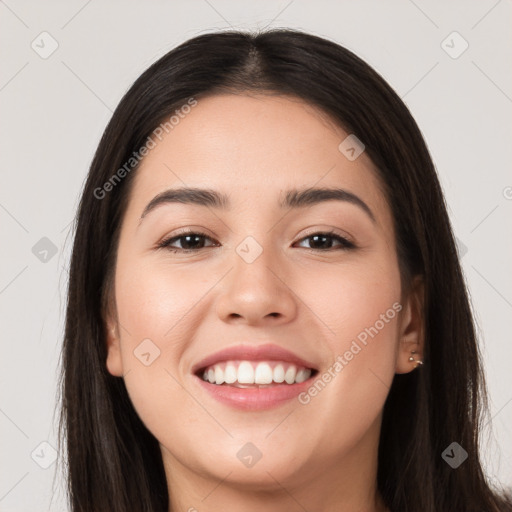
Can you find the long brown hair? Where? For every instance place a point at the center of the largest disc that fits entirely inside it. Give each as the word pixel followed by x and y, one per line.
pixel 113 462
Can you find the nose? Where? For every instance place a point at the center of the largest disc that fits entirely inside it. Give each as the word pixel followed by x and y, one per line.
pixel 257 293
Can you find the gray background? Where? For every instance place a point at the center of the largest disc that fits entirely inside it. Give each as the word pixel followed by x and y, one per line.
pixel 54 110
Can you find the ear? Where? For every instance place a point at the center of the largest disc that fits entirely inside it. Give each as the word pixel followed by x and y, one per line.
pixel 114 360
pixel 411 329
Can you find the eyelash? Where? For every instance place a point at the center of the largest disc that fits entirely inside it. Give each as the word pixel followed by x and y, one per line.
pixel 345 244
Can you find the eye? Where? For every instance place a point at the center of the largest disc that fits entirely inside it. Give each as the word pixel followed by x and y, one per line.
pixel 321 241
pixel 191 241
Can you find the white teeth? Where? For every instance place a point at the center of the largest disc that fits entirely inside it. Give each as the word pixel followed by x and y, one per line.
pixel 245 373
pixel 230 373
pixel 289 376
pixel 263 374
pixel 255 373
pixel 219 375
pixel 302 375
pixel 278 373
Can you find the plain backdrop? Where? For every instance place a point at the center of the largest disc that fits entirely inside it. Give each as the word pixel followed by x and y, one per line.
pixel 64 67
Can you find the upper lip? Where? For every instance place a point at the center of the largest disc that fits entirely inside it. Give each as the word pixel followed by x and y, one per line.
pixel 267 352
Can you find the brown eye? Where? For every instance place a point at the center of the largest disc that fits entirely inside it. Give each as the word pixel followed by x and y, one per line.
pixel 323 241
pixel 190 242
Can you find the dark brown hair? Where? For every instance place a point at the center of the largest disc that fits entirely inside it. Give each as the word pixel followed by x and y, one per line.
pixel 114 463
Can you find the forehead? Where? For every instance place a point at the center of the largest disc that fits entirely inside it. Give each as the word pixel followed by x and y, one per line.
pixel 253 148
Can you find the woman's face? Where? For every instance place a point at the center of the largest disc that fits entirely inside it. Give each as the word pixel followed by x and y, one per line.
pixel 259 278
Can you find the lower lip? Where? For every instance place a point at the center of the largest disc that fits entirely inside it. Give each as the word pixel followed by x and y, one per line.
pixel 255 399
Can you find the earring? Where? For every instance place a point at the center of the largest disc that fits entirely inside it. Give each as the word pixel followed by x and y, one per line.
pixel 418 362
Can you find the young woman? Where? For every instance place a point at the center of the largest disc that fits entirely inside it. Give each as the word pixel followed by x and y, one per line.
pixel 266 309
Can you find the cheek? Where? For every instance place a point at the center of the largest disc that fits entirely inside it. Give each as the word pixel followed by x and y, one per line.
pixel 152 308
pixel 355 301
pixel 359 309
pixel 154 302
pixel 156 310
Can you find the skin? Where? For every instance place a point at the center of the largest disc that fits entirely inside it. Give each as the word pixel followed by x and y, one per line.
pixel 318 456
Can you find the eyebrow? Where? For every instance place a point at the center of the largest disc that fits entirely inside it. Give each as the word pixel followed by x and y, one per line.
pixel 293 198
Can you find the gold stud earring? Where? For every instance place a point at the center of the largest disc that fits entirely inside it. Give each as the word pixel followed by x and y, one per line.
pixel 411 359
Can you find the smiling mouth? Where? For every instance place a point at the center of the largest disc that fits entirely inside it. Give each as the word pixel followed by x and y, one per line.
pixel 255 374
